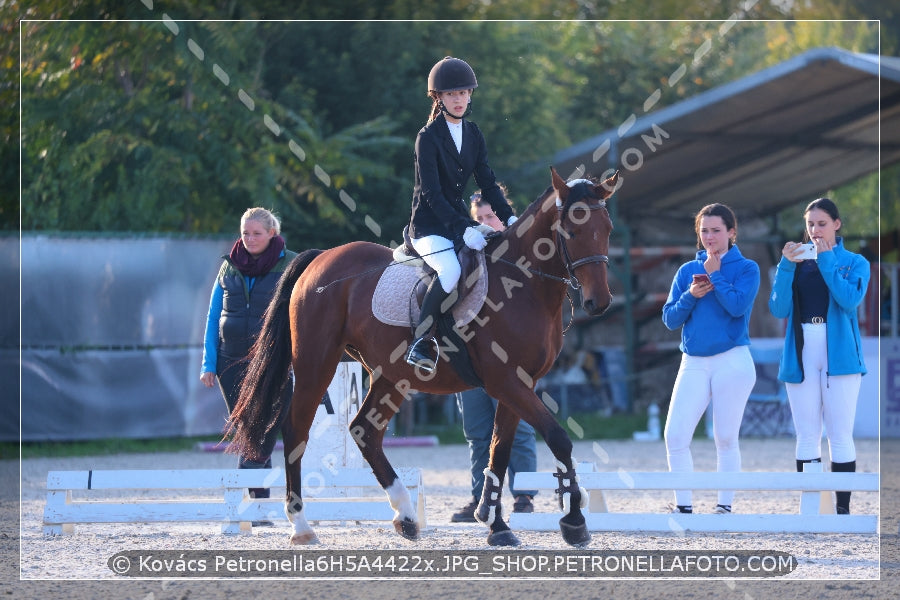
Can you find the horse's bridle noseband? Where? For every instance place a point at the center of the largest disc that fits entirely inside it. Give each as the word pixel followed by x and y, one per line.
pixel 570 264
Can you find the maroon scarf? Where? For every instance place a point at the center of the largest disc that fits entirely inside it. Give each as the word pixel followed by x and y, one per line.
pixel 255 267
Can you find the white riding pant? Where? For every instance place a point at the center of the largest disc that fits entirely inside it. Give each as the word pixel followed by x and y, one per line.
pixel 726 380
pixel 438 252
pixel 832 397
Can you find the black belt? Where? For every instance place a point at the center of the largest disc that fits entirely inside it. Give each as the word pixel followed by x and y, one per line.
pixel 815 320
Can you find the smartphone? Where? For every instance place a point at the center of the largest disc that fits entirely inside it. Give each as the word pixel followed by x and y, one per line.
pixel 808 252
pixel 701 278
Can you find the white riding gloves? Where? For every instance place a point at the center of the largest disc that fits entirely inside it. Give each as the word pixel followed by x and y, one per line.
pixel 485 230
pixel 511 220
pixel 474 239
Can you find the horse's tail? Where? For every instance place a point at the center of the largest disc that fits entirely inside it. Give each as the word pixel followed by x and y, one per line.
pixel 260 406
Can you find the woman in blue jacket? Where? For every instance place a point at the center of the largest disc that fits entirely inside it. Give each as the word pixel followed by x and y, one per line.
pixel 822 362
pixel 449 150
pixel 240 295
pixel 711 300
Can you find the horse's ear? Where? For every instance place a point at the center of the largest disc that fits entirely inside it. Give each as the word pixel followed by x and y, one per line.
pixel 559 184
pixel 606 188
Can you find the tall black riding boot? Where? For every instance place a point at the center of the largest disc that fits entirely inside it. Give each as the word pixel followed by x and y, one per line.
pixel 421 353
pixel 842 499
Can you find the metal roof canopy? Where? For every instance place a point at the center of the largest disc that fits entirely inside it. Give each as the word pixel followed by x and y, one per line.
pixel 759 144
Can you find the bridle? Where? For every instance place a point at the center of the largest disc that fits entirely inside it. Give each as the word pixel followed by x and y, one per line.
pixel 570 264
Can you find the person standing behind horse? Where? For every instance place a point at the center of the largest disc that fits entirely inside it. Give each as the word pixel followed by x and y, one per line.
pixel 478 410
pixel 710 300
pixel 240 295
pixel 822 361
pixel 449 150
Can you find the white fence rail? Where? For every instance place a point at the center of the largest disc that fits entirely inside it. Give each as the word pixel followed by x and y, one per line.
pixel 815 515
pixel 78 497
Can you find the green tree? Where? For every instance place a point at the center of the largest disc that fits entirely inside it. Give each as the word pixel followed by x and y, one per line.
pixel 125 127
pixel 129 127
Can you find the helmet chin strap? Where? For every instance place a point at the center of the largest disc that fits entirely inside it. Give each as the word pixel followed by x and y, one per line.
pixel 447 112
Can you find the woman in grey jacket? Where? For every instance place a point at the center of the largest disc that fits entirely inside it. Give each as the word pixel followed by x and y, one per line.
pixel 822 362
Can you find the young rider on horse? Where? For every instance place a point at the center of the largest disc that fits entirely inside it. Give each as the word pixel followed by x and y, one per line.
pixel 448 151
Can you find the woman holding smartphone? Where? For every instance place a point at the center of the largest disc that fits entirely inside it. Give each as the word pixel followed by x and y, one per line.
pixel 822 362
pixel 710 300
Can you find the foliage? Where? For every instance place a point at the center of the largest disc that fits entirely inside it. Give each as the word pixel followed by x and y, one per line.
pixel 857 200
pixel 178 125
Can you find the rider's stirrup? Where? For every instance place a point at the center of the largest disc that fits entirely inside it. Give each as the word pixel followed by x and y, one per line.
pixel 417 358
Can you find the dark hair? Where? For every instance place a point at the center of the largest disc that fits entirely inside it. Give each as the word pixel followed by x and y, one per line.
pixel 826 204
pixel 716 210
pixel 475 200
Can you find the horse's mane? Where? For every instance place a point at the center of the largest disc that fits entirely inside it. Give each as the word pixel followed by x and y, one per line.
pixel 538 203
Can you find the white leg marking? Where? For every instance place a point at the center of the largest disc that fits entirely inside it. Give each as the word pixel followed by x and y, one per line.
pixel 400 501
pixel 303 533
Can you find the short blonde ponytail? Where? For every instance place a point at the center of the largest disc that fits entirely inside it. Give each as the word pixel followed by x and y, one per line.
pixel 263 216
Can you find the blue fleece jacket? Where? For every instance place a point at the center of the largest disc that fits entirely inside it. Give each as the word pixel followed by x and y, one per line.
pixel 720 320
pixel 847 276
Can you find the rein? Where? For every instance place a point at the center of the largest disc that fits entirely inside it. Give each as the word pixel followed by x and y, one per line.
pixel 537 272
pixel 322 288
pixel 571 281
pixel 571 265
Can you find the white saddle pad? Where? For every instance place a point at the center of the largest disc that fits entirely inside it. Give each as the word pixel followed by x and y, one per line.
pixel 394 302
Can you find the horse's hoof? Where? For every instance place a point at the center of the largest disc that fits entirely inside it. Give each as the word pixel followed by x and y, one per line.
pixel 407 528
pixel 304 539
pixel 575 535
pixel 503 538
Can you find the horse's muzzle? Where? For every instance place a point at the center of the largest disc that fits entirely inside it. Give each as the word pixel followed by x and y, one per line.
pixel 594 309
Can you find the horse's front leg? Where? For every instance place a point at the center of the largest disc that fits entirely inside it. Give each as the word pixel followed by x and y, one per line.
pixel 489 509
pixel 367 428
pixel 572 497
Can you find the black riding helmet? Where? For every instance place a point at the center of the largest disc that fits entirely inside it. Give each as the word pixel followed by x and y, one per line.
pixel 451 74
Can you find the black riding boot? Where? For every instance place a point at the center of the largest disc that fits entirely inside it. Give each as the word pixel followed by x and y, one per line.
pixel 800 463
pixel 421 353
pixel 842 499
pixel 246 463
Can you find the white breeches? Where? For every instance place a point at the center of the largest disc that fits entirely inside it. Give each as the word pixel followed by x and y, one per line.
pixel 823 398
pixel 438 252
pixel 724 379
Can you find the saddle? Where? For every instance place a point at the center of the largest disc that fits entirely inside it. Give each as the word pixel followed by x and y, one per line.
pixel 398 295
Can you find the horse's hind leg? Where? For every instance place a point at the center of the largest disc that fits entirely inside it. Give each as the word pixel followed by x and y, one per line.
pixel 381 403
pixel 310 386
pixel 489 508
pixel 296 434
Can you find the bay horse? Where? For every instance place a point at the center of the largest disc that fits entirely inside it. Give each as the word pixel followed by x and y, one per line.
pixel 322 309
